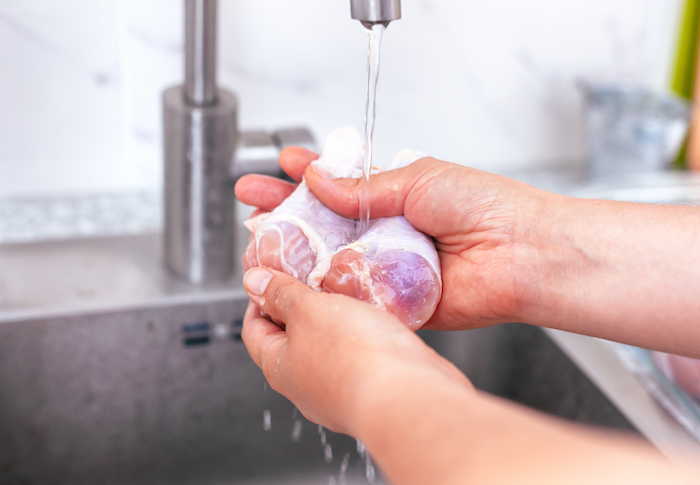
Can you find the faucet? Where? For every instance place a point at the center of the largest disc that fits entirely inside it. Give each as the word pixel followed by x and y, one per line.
pixel 204 153
pixel 371 12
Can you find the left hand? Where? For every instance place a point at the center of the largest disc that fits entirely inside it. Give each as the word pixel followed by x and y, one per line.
pixel 336 353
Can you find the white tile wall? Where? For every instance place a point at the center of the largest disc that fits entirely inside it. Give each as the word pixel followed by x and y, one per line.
pixel 490 84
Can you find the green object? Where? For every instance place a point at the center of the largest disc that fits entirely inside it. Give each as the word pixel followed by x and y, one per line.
pixel 686 55
pixel 684 72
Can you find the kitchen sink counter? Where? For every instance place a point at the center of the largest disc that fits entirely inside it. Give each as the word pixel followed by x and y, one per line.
pixel 600 364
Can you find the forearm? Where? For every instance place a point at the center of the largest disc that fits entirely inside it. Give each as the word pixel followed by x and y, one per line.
pixel 621 271
pixel 423 430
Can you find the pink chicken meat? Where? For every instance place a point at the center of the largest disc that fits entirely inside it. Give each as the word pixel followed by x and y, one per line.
pixel 392 265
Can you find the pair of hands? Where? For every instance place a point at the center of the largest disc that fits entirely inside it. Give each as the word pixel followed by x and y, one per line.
pixel 333 345
pixel 508 252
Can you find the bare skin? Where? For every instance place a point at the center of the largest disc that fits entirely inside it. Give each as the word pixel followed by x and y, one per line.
pixel 508 252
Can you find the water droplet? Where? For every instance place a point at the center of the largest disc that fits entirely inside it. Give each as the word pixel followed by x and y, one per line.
pixel 369 469
pixel 360 448
pixel 222 330
pixel 296 431
pixel 342 478
pixel 267 420
pixel 328 453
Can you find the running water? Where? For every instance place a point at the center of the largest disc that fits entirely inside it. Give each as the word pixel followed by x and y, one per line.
pixel 375 44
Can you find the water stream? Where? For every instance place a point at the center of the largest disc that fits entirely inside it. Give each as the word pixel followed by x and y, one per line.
pixel 375 42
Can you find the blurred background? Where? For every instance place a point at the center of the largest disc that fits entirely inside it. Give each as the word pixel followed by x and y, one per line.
pixel 495 85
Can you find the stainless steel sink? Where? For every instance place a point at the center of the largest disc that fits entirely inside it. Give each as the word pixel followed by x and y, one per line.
pixel 113 372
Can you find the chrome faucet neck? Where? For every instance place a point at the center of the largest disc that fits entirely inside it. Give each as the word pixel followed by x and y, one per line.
pixel 200 52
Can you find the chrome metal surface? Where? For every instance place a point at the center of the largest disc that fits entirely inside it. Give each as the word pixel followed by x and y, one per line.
pixel 375 11
pixel 200 132
pixel 198 226
pixel 294 137
pixel 78 276
pixel 258 151
pixel 200 52
pixel 200 140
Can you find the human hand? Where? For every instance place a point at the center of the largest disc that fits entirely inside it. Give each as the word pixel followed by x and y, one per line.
pixel 336 354
pixel 482 224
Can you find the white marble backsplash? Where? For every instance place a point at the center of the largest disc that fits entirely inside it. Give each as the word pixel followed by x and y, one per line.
pixel 489 84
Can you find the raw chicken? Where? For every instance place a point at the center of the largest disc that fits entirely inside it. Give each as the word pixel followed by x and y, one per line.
pixel 392 265
pixel 301 231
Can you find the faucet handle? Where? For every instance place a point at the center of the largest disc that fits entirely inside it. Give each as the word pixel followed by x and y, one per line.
pixel 258 151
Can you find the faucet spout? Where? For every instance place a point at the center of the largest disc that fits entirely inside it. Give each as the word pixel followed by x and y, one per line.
pixel 371 12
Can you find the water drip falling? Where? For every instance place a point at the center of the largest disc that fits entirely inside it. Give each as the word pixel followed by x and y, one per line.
pixel 267 420
pixel 296 431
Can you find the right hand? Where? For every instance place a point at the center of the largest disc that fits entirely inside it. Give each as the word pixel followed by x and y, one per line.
pixel 482 223
pixel 483 226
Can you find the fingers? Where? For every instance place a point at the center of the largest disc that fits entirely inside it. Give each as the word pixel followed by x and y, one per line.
pixel 279 295
pixel 294 161
pixel 263 191
pixel 267 192
pixel 389 190
pixel 259 334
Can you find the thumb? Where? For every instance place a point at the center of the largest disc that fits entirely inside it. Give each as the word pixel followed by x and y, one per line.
pixel 279 295
pixel 389 190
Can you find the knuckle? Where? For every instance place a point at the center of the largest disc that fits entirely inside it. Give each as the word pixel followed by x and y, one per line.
pixel 283 299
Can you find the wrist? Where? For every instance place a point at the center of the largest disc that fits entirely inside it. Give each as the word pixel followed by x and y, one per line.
pixel 407 417
pixel 548 259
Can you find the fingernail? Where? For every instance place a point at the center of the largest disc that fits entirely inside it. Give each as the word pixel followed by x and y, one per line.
pixel 255 281
pixel 323 173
